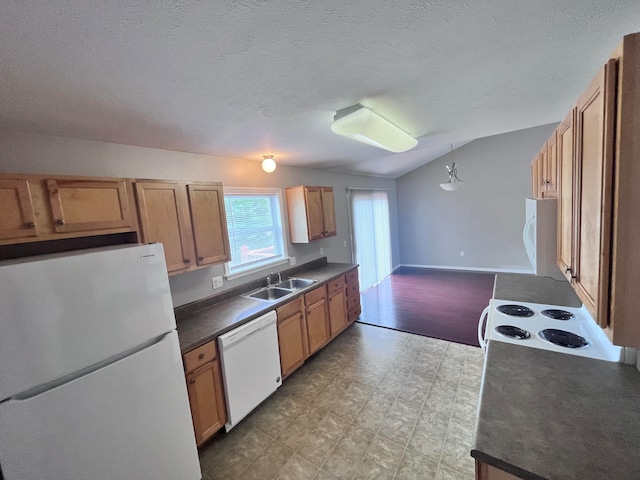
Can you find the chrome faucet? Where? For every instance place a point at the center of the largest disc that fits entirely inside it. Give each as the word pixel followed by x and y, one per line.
pixel 269 279
pixel 279 278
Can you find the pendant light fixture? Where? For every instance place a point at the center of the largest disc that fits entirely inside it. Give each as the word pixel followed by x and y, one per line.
pixel 359 123
pixel 268 164
pixel 454 182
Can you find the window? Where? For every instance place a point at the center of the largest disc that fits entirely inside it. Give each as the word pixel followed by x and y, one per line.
pixel 254 221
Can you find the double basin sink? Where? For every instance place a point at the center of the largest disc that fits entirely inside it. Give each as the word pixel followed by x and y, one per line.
pixel 280 290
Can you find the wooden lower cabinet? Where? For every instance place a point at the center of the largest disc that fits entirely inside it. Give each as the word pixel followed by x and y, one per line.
pixel 352 290
pixel 292 336
pixel 206 396
pixel 337 306
pixel 317 319
pixel 488 472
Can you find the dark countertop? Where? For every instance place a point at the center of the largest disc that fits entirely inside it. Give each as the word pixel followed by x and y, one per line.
pixel 532 289
pixel 198 326
pixel 548 415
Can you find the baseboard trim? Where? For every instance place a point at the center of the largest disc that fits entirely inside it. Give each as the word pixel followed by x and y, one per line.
pixel 467 269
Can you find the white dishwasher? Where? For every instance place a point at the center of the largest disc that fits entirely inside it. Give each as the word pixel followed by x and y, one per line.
pixel 250 361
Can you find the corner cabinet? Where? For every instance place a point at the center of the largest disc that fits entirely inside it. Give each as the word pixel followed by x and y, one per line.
pixel 311 213
pixel 188 219
pixel 40 208
pixel 206 396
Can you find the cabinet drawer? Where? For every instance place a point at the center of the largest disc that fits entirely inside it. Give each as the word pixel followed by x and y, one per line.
pixel 352 276
pixel 289 309
pixel 353 302
pixel 199 356
pixel 315 295
pixel 353 289
pixel 334 285
pixel 353 314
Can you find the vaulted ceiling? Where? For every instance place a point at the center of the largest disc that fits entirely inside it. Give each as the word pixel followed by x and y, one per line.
pixel 251 77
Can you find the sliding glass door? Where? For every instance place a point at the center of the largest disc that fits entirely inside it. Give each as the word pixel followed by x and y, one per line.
pixel 369 211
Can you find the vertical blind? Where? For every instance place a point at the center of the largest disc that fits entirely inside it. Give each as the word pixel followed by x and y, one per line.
pixel 372 240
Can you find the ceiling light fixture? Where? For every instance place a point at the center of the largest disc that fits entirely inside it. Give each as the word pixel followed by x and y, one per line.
pixel 454 182
pixel 361 124
pixel 268 164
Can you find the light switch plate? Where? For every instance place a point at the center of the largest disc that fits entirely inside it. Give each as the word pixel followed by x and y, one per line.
pixel 292 261
pixel 217 282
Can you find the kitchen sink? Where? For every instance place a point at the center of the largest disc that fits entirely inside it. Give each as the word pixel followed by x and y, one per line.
pixel 270 293
pixel 295 283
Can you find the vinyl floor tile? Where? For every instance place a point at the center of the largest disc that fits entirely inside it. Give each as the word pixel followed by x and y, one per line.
pixel 374 404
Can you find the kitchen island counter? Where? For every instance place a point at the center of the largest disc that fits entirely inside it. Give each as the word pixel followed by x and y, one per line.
pixel 548 415
pixel 209 318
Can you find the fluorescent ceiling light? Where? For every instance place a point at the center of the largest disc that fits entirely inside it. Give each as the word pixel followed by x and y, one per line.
pixel 361 124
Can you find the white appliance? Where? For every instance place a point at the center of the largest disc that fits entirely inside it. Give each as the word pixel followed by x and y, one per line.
pixel 529 331
pixel 540 236
pixel 91 378
pixel 250 360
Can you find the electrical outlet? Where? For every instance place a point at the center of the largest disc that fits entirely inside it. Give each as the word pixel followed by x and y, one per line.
pixel 462 253
pixel 345 244
pixel 217 282
pixel 321 251
pixel 292 261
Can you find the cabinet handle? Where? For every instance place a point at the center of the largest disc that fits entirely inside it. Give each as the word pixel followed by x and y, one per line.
pixel 186 260
pixel 30 225
pixel 192 381
pixel 567 270
pixel 59 222
pixel 200 259
pixel 201 356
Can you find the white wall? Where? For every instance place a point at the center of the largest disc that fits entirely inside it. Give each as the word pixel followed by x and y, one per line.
pixel 484 218
pixel 22 152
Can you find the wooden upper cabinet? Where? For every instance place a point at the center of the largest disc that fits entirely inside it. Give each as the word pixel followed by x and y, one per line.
pixel 595 113
pixel 328 211
pixel 209 224
pixel 566 190
pixel 164 217
pixel 550 168
pixel 311 213
pixel 17 219
pixel 36 208
pixel 84 205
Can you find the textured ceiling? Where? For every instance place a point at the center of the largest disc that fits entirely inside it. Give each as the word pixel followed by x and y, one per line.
pixel 247 78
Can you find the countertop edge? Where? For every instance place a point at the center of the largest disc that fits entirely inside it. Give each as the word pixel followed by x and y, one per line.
pixel 188 346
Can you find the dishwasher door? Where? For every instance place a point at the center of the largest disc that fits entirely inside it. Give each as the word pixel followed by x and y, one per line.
pixel 250 361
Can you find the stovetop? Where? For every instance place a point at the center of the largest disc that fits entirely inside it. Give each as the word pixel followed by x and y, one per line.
pixel 576 321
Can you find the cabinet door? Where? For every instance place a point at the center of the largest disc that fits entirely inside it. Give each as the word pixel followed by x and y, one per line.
pixel 566 161
pixel 328 212
pixel 82 206
pixel 337 311
pixel 292 340
pixel 594 140
pixel 209 224
pixel 17 219
pixel 207 401
pixel 488 472
pixel 315 217
pixel 317 325
pixel 551 168
pixel 164 218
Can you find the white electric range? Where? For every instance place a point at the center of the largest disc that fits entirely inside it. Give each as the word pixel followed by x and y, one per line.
pixel 548 327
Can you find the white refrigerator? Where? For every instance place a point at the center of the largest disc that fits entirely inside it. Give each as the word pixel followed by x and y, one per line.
pixel 91 378
pixel 540 236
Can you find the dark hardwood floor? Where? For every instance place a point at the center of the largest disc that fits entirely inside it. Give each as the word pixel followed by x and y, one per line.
pixel 434 303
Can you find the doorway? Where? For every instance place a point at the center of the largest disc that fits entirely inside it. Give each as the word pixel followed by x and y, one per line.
pixel 369 213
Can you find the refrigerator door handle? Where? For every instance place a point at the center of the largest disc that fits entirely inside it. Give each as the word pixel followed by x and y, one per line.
pixel 528 238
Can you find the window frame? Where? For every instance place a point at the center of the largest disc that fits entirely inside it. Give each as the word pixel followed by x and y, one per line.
pixel 284 258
